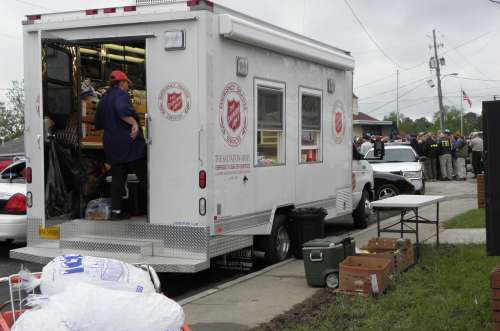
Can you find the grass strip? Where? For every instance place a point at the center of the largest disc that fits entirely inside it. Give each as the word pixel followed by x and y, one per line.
pixel 447 290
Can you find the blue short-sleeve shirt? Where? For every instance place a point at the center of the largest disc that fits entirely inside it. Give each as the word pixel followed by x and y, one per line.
pixel 119 147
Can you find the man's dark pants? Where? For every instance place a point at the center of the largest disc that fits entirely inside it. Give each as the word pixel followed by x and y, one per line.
pixel 476 162
pixel 120 173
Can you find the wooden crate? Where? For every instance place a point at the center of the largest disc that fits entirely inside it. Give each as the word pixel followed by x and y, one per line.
pixel 356 274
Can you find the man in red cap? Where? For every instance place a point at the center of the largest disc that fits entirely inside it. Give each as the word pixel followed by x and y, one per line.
pixel 124 144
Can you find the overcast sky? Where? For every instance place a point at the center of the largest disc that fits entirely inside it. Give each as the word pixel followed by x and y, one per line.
pixel 468 29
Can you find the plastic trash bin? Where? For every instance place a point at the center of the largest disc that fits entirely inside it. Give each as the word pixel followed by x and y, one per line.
pixel 307 224
pixel 322 258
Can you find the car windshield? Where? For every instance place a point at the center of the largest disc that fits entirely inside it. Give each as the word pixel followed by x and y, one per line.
pixel 394 155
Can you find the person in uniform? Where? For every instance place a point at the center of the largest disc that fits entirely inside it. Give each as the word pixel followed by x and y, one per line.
pixel 445 159
pixel 432 151
pixel 124 144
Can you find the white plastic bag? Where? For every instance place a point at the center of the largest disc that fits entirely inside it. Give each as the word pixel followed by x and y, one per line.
pixel 39 320
pixel 87 307
pixel 64 271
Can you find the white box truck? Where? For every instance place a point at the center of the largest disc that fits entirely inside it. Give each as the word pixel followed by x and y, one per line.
pixel 244 121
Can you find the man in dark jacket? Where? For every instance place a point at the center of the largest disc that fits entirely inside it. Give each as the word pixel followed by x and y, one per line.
pixel 431 152
pixel 124 144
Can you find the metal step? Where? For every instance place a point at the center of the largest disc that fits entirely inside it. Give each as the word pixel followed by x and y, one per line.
pixel 44 254
pixel 107 247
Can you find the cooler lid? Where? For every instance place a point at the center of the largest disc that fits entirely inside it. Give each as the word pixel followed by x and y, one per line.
pixel 325 242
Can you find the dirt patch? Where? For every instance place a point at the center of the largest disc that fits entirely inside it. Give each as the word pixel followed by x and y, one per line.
pixel 302 313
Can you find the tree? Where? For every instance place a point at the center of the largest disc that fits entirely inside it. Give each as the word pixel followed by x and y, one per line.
pixel 472 122
pixel 422 125
pixel 12 116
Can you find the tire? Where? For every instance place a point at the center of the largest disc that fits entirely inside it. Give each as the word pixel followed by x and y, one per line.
pixel 278 243
pixel 422 190
pixel 332 280
pixel 386 191
pixel 361 214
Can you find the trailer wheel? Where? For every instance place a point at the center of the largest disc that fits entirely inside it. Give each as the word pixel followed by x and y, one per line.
pixel 332 280
pixel 361 214
pixel 279 242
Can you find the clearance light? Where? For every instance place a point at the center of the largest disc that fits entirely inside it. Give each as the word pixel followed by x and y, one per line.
pixel 192 3
pixel 109 10
pixel 33 17
pixel 129 8
pixel 29 175
pixel 91 12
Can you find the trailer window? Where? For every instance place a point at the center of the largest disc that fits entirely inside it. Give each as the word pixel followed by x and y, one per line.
pixel 270 127
pixel 310 126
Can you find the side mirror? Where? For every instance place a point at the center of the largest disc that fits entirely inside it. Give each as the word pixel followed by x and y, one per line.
pixel 379 149
pixel 422 158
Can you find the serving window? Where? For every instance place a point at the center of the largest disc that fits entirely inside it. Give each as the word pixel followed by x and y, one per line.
pixel 270 114
pixel 310 109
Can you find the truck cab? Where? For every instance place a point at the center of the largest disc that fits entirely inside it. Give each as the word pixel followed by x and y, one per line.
pixel 362 189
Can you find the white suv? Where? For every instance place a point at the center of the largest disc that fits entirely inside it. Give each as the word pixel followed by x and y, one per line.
pixel 401 160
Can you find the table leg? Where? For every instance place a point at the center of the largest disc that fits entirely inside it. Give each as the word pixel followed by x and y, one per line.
pixel 378 223
pixel 437 225
pixel 416 234
pixel 403 212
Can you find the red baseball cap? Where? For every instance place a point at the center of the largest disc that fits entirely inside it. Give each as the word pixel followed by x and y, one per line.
pixel 119 75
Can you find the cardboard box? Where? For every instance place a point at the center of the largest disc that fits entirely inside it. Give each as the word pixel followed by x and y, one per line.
pixel 405 251
pixel 368 275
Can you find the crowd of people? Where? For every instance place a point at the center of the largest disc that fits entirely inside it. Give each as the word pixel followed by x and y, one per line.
pixel 445 153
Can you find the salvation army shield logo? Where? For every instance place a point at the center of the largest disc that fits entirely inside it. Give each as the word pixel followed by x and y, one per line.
pixel 174 101
pixel 338 122
pixel 233 114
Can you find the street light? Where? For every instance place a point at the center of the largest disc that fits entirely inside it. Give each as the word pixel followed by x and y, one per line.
pixel 440 97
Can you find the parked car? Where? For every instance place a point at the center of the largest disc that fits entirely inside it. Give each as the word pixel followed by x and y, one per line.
pixel 13 220
pixel 389 185
pixel 401 160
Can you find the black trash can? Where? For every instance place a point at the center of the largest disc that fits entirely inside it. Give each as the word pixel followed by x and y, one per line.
pixel 307 224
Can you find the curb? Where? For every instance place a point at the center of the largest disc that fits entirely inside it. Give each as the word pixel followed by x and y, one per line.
pixel 232 283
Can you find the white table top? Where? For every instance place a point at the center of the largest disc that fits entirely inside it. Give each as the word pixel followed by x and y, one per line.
pixel 408 201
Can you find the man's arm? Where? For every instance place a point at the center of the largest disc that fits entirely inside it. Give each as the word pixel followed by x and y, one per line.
pixel 135 127
pixel 125 112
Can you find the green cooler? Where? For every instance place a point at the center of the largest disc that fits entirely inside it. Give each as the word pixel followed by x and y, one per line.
pixel 322 258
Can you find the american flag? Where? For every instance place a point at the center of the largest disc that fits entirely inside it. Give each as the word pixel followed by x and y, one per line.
pixel 466 98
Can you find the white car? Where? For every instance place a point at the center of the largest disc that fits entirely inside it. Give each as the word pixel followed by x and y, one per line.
pixel 401 160
pixel 13 220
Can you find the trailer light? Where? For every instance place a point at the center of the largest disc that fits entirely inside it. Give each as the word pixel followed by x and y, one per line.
pixel 109 10
pixel 129 8
pixel 192 3
pixel 202 179
pixel 202 206
pixel 175 40
pixel 29 199
pixel 33 17
pixel 16 204
pixel 241 66
pixel 29 175
pixel 91 12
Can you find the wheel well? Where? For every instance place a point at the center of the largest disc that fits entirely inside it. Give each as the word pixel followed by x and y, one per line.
pixel 368 187
pixel 283 210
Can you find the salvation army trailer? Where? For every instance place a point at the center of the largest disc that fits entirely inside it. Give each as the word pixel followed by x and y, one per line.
pixel 243 120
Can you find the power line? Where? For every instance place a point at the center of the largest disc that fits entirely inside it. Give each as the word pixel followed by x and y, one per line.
pixel 388 103
pixel 33 5
pixel 392 90
pixel 369 35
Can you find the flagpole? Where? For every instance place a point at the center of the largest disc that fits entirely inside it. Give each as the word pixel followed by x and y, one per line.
pixel 462 111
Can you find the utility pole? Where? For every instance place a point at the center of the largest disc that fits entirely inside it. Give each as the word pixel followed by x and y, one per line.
pixel 397 99
pixel 438 76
